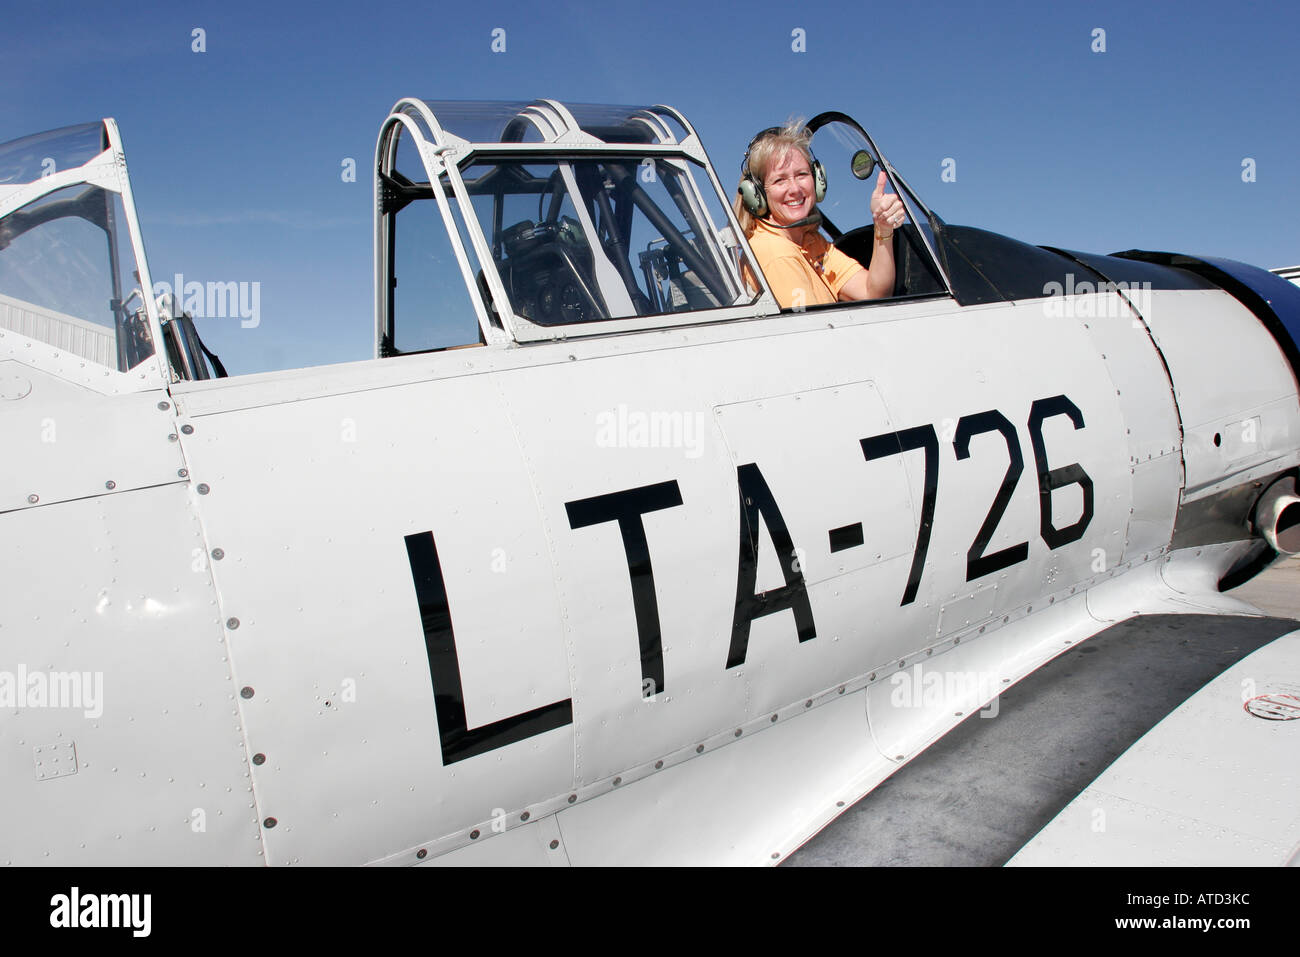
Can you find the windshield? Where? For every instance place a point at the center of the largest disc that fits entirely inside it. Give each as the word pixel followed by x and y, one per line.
pixel 853 166
pixel 579 239
pixel 68 277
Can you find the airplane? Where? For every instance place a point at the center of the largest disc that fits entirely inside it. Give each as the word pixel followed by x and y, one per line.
pixel 603 558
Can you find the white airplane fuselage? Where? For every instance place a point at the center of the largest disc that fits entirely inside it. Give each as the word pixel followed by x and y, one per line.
pixel 292 678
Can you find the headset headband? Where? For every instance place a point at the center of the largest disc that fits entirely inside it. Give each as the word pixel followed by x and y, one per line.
pixel 744 163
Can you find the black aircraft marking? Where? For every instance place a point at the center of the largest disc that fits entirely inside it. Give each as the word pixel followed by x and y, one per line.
pixel 459 741
pixel 757 501
pixel 757 505
pixel 847 536
pixel 896 443
pixel 977 563
pixel 627 507
pixel 1050 479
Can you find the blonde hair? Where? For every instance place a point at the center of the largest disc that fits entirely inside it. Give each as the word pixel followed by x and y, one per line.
pixel 763 151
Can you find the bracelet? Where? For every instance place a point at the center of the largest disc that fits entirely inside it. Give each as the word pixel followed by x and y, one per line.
pixel 884 239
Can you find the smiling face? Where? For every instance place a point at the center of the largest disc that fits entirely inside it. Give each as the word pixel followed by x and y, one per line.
pixel 789 186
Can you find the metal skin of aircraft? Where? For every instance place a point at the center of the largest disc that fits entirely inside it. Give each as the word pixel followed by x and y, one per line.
pixel 651 571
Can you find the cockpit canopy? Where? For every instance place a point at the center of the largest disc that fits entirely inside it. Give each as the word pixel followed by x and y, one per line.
pixel 560 220
pixel 69 247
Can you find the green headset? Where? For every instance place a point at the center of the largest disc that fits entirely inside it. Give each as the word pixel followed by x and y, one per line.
pixel 752 194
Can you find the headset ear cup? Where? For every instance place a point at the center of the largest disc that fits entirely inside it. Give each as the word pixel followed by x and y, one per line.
pixel 819 179
pixel 753 196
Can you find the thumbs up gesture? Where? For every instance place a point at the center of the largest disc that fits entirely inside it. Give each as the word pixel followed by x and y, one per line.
pixel 886 208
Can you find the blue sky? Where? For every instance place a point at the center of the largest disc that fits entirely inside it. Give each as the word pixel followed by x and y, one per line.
pixel 235 153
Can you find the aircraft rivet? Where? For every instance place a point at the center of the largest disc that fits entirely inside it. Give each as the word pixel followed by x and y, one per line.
pixel 870 677
pixel 203 489
pixel 270 822
pixel 808 703
pixel 737 732
pixel 183 473
pixel 246 692
pixel 524 816
pixel 699 749
pixel 572 798
pixel 421 853
pixel 218 553
pixel 232 623
pixel 776 856
pixel 841 691
pixel 617 782
pixel 172 437
pixel 259 759
pixel 187 429
pixel 658 765
pixel 110 485
pixel 473 835
pixel 554 844
pixel 839 804
pixel 774 719
pixel 33 499
pixel 164 406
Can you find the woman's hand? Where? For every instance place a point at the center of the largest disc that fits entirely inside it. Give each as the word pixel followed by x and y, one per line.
pixel 886 208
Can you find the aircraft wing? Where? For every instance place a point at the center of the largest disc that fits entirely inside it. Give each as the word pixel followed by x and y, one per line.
pixel 1214 783
pixel 981 794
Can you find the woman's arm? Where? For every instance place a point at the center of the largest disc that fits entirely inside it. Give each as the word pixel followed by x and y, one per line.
pixel 878 281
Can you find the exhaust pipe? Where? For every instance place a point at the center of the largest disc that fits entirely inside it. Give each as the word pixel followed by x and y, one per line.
pixel 1277 517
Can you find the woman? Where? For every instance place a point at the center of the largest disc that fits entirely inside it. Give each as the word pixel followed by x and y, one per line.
pixel 781 184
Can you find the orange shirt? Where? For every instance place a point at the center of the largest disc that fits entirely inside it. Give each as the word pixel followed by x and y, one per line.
pixel 804 275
